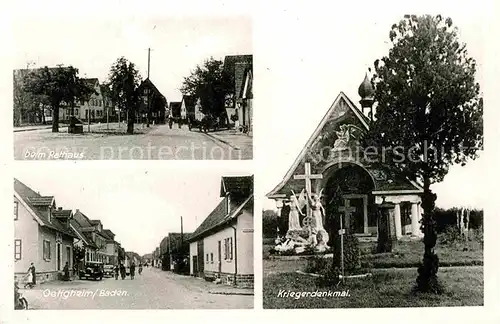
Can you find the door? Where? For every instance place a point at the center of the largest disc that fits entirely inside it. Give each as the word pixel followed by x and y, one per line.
pixel 219 258
pixel 358 216
pixel 68 256
pixel 58 256
pixel 195 265
pixel 201 258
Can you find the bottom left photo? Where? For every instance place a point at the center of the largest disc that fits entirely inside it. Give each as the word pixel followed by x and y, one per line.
pixel 131 238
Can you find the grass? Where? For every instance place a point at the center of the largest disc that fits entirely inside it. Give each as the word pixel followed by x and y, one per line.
pixel 387 288
pixel 409 254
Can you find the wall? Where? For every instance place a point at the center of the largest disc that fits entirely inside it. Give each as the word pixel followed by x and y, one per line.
pixel 26 229
pixel 193 251
pixel 245 243
pixel 210 245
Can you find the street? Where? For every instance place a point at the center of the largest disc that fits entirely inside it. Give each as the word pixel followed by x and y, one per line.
pixel 153 289
pixel 154 143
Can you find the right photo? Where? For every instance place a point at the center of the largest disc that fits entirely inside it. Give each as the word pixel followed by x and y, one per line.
pixel 378 200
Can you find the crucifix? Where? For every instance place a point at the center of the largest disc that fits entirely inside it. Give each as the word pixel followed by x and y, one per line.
pixel 308 176
pixel 347 210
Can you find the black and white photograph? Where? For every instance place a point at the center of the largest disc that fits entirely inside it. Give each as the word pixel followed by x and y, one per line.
pixel 377 201
pixel 120 238
pixel 112 88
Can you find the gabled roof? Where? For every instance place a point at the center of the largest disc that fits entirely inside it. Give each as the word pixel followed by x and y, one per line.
pixel 38 210
pixel 240 71
pixel 175 108
pixel 396 182
pixel 81 235
pixel 63 213
pixel 236 185
pixel 108 233
pixel 189 102
pixel 93 82
pixel 148 83
pixel 219 217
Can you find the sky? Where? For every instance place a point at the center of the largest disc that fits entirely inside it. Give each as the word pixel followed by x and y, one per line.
pixel 93 43
pixel 310 56
pixel 140 205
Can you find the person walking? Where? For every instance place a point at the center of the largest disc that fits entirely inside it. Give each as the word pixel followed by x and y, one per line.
pixel 31 277
pixel 117 269
pixel 140 268
pixel 122 271
pixel 66 272
pixel 132 270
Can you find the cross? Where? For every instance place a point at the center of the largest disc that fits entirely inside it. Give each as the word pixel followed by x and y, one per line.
pixel 307 176
pixel 347 210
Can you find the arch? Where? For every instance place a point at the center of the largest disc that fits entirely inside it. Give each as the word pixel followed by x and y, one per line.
pixel 329 170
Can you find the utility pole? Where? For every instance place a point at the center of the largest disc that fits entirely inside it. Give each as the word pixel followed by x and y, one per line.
pixel 147 90
pixel 182 233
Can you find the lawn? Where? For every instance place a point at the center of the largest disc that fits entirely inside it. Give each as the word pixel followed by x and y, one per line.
pixel 386 288
pixel 407 253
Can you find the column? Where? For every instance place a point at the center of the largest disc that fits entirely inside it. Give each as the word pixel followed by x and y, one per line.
pixel 397 220
pixel 415 226
pixel 365 213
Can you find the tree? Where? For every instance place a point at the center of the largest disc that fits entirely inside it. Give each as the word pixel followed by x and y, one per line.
pixel 78 256
pixel 426 86
pixel 211 84
pixel 123 81
pixel 57 86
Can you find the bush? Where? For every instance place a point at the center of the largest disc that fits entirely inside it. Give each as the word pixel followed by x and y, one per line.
pixel 450 236
pixel 352 253
pixel 317 265
pixel 330 276
pixel 269 224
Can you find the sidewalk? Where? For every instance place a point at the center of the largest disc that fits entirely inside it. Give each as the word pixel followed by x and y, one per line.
pixel 207 286
pixel 34 127
pixel 234 139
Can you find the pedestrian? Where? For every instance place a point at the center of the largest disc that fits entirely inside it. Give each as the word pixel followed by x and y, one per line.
pixel 66 272
pixel 140 268
pixel 132 270
pixel 117 269
pixel 31 276
pixel 122 271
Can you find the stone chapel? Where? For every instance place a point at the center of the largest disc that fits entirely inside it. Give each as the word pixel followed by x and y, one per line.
pixel 349 184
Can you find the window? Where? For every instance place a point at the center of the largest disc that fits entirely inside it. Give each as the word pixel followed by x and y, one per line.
pixel 16 209
pixel 230 248
pixel 211 258
pixel 207 258
pixel 405 208
pixel 46 250
pixel 17 249
pixel 76 111
pixel 225 249
pixel 68 255
pixel 86 113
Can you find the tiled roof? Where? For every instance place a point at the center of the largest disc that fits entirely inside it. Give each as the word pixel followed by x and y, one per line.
pixel 108 233
pixel 85 236
pixel 148 83
pixel 28 195
pixel 64 213
pixel 190 102
pixel 240 72
pixel 219 216
pixel 175 108
pixel 91 81
pixel 240 186
pixel 42 201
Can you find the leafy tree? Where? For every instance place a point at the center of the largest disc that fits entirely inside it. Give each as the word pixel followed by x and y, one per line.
pixel 57 86
pixel 211 84
pixel 269 223
pixel 123 81
pixel 426 86
pixel 78 256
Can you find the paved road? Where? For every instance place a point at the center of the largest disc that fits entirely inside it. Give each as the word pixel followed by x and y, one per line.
pixel 154 289
pixel 156 143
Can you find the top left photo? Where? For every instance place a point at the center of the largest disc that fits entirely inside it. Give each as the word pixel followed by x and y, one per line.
pixel 169 88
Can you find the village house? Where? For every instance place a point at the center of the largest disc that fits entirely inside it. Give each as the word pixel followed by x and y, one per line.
pixel 238 101
pixel 175 109
pixel 111 247
pixel 174 249
pixel 351 184
pixel 191 108
pixel 93 232
pixel 152 101
pixel 222 246
pixel 84 241
pixel 42 235
pixel 95 106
